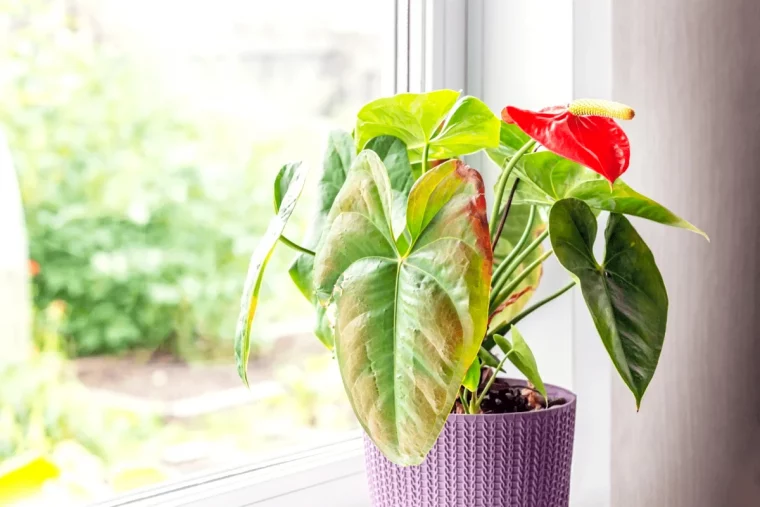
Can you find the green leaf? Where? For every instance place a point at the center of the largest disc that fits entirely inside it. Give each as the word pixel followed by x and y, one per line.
pixel 282 183
pixel 511 139
pixel 519 214
pixel 337 162
pixel 392 151
pixel 407 325
pixel 519 354
pixel 338 158
pixel 258 264
pixel 451 127
pixel 547 178
pixel 625 294
pixel 472 377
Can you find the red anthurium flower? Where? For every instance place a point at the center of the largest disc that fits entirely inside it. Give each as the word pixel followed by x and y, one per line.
pixel 583 131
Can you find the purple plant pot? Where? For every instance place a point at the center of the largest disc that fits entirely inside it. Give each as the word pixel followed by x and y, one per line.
pixel 489 460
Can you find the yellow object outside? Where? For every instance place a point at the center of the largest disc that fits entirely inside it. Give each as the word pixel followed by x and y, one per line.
pixel 25 475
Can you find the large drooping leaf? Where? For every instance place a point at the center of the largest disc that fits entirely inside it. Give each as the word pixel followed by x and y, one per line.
pixel 625 294
pixel 514 227
pixel 297 175
pixel 448 125
pixel 511 139
pixel 407 324
pixel 519 354
pixel 546 178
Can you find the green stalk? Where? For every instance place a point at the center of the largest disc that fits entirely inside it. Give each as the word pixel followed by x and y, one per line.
pixel 502 183
pixel 503 275
pixel 489 384
pixel 487 358
pixel 425 152
pixel 296 246
pixel 495 238
pixel 520 244
pixel 502 329
pixel 463 399
pixel 519 278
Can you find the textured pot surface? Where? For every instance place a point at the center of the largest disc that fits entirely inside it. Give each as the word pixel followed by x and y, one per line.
pixel 491 460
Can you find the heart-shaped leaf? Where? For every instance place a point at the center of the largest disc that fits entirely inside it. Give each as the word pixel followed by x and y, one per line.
pixel 450 127
pixel 546 178
pixel 409 324
pixel 258 263
pixel 625 294
pixel 519 354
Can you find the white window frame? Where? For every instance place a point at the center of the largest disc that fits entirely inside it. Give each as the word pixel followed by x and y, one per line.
pixel 471 46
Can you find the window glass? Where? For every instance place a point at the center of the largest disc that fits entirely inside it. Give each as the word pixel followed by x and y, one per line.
pixel 145 136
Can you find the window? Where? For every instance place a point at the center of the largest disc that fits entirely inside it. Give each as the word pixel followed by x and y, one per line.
pixel 145 135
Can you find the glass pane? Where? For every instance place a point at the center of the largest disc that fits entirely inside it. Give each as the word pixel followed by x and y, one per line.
pixel 145 136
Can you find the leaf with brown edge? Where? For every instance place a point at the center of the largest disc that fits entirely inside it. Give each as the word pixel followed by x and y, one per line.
pixel 517 221
pixel 511 300
pixel 408 325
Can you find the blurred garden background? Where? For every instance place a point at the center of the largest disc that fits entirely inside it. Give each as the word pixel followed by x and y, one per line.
pixel 145 136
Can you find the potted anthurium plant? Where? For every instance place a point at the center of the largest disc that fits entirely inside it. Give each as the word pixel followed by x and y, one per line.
pixel 419 293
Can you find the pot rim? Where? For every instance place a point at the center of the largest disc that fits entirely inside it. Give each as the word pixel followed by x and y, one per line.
pixel 551 389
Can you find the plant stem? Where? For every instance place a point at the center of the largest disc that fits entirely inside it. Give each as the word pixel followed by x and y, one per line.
pixel 425 152
pixel 490 383
pixel 296 246
pixel 487 358
pixel 523 238
pixel 519 278
pixel 502 329
pixel 463 399
pixel 520 244
pixel 500 229
pixel 502 182
pixel 503 277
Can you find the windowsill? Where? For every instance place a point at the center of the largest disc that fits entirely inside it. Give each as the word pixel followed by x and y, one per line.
pixel 331 475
